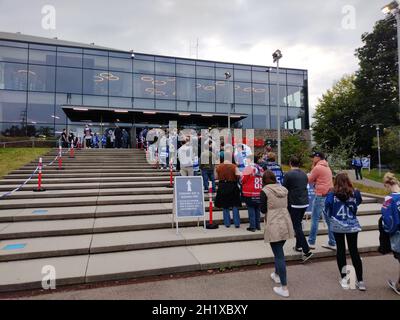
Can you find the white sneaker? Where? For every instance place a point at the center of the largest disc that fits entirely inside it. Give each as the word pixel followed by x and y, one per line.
pixel 344 283
pixel 312 246
pixel 360 285
pixel 275 278
pixel 281 292
pixel 328 246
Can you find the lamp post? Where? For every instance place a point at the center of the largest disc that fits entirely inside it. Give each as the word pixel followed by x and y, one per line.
pixel 377 125
pixel 230 103
pixel 277 55
pixel 394 8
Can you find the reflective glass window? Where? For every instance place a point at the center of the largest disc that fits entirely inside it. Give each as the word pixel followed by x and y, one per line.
pixel 12 130
pixel 96 82
pixel 95 62
pixel 41 78
pixel 261 117
pixel 273 76
pixel 295 96
pixel 144 86
pixel 69 80
pixel 261 77
pixel 165 88
pixel 165 105
pixel 186 105
pixel 163 68
pixel 120 84
pixel 283 116
pixel 282 93
pixel 61 99
pixel 295 118
pixel 242 75
pixel 220 73
pixel 13 76
pixel 260 94
pixel 245 109
pixel 115 102
pixel 243 92
pixel 40 107
pixel 205 90
pixel 69 59
pixel 185 70
pixel 205 107
pixel 119 64
pixel 10 54
pixel 224 91
pixel 143 104
pixel 12 106
pixel 295 79
pixel 42 57
pixel 100 101
pixel 205 72
pixel 40 130
pixel 140 66
pixel 186 89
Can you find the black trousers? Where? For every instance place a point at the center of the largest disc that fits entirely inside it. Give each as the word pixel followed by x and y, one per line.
pixel 358 171
pixel 353 248
pixel 297 216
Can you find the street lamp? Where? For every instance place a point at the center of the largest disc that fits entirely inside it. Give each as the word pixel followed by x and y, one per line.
pixel 227 77
pixel 277 55
pixel 377 125
pixel 394 8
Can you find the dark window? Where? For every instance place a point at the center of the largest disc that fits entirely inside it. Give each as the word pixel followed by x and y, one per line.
pixel 244 109
pixel 96 82
pixel 69 80
pixel 13 76
pixel 95 62
pixel 12 106
pixel 100 101
pixel 40 108
pixel 12 129
pixel 42 57
pixel 41 78
pixel 283 116
pixel 69 59
pixel 261 117
pixel 13 54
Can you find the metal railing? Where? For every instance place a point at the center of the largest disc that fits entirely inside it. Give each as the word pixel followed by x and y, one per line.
pixel 29 143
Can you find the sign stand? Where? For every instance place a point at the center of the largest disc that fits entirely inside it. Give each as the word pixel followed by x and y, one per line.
pixel 188 200
pixel 210 224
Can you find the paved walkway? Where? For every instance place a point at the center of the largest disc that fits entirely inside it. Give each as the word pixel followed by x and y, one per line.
pixel 254 284
pixel 366 182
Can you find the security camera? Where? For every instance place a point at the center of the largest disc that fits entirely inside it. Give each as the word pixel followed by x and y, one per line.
pixel 228 75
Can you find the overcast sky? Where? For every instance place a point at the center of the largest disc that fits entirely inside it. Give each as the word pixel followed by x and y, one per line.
pixel 318 35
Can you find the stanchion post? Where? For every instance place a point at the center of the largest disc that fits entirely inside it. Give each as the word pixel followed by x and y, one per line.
pixel 72 151
pixel 60 159
pixel 39 187
pixel 211 224
pixel 171 181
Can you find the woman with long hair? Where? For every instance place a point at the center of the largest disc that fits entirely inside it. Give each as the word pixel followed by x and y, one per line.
pixel 341 208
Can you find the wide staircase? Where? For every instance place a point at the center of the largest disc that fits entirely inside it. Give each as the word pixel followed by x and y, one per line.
pixel 108 216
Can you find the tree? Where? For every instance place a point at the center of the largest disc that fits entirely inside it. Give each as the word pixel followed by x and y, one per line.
pixel 294 145
pixel 390 148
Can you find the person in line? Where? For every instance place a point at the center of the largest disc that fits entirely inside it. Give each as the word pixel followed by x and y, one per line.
pixel 118 137
pixel 321 177
pixel 296 181
pixel 95 141
pixel 278 227
pixel 341 208
pixel 391 220
pixel 71 140
pixel 163 152
pixel 185 156
pixel 269 163
pixel 207 166
pixel 64 139
pixel 228 193
pixel 87 132
pixel 153 152
pixel 357 165
pixel 125 139
pixel 240 157
pixel 251 188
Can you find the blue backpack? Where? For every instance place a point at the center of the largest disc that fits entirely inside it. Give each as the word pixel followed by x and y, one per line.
pixel 391 213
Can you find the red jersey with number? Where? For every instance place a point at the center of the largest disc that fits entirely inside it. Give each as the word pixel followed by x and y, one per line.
pixel 252 181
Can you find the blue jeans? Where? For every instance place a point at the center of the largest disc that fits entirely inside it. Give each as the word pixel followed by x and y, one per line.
pixel 318 209
pixel 280 263
pixel 208 174
pixel 254 217
pixel 227 217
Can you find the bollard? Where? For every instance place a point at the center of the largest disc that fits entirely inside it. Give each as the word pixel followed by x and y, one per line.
pixel 211 224
pixel 60 159
pixel 39 187
pixel 72 151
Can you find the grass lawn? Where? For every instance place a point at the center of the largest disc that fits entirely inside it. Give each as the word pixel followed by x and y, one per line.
pixel 14 158
pixel 374 174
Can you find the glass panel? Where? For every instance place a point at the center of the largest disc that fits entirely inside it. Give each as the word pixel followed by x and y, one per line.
pixel 165 68
pixel 144 57
pixel 222 108
pixel 13 76
pixel 283 116
pixel 224 91
pixel 273 94
pixel 40 130
pixel 261 117
pixel 120 55
pixel 186 106
pixel 205 72
pixel 69 80
pixel 243 109
pixel 260 77
pixel 184 70
pixel 12 130
pixel 95 101
pixel 220 73
pixel 165 88
pixel 295 97
pixel 120 103
pixel 69 59
pixel 41 78
pixel 13 54
pixel 95 52
pixel 165 59
pixel 186 89
pixel 242 75
pixel 96 82
pixel 143 86
pixel 143 104
pixel 12 106
pixel 120 84
pixel 119 64
pixel 95 62
pixel 70 49
pixel 40 108
pixel 42 47
pixel 273 76
pixel 185 61
pixel 165 105
pixel 260 94
pixel 42 57
pixel 242 67
pixel 295 79
pixel 61 99
pixel 205 90
pixel 295 119
pixel 143 66
pixel 13 44
pixel 205 107
pixel 243 92
pixel 205 63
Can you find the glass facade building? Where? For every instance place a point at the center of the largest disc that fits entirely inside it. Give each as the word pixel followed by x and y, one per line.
pixel 47 85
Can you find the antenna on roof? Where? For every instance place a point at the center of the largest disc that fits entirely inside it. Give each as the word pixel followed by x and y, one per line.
pixel 55 38
pixel 92 44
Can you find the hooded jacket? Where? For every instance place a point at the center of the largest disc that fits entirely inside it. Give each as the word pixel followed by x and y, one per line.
pixel 321 176
pixel 274 203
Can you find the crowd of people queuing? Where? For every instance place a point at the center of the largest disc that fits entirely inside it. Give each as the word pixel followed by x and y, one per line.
pixel 259 182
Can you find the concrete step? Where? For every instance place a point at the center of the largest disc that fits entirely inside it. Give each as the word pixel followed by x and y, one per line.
pixel 54 170
pixel 49 228
pixel 83 201
pixel 105 211
pixel 90 268
pixel 90 166
pixel 90 175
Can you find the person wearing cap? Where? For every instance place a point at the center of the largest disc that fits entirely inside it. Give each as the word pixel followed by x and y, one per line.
pixel 321 178
pixel 269 163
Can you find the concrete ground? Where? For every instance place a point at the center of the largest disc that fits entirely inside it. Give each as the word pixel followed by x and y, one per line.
pixel 364 181
pixel 315 280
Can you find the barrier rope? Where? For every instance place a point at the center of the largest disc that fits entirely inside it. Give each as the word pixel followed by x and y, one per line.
pixel 4 195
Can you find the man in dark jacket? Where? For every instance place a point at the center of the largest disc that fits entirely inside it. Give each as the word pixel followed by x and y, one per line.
pixel 118 137
pixel 296 182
